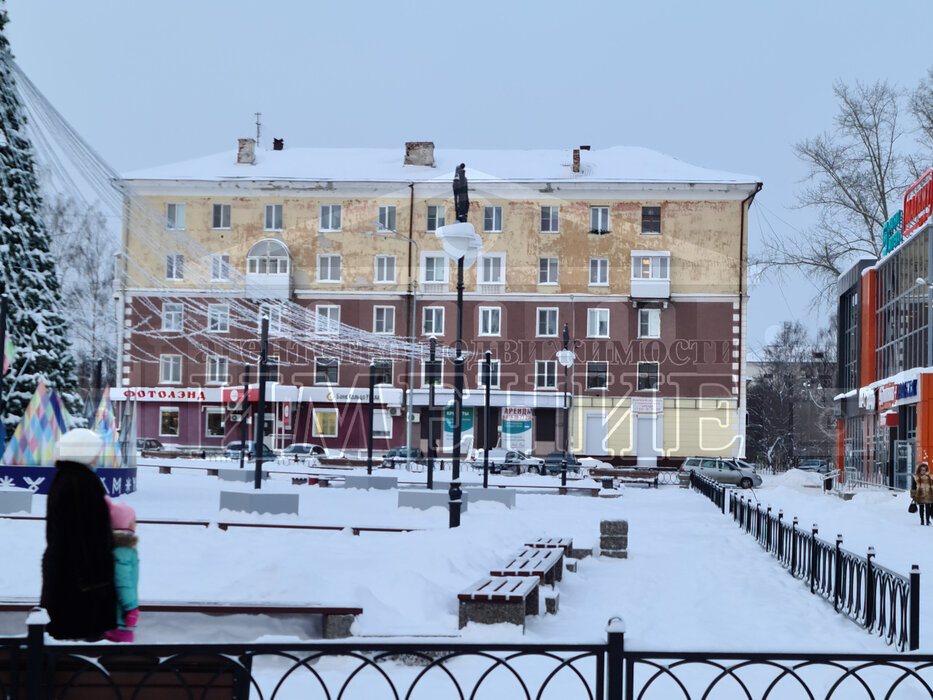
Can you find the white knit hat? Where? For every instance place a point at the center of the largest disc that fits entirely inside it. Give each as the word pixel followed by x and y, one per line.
pixel 79 445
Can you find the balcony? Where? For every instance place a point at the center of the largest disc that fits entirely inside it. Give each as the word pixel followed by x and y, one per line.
pixel 651 289
pixel 651 274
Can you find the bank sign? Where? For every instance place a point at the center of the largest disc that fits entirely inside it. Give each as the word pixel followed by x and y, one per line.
pixel 516 428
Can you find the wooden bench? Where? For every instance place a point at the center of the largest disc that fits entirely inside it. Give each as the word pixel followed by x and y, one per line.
pixel 495 599
pixel 565 543
pixel 546 564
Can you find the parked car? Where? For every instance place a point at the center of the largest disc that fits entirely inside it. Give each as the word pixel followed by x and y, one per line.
pixel 724 471
pixel 304 449
pixel 503 460
pixel 821 466
pixel 148 445
pixel 232 451
pixel 553 463
pixel 396 457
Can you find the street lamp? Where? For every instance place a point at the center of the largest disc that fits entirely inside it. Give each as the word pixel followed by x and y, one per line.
pixel 460 243
pixel 566 358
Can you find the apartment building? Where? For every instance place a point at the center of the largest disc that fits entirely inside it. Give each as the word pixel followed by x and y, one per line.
pixel 641 256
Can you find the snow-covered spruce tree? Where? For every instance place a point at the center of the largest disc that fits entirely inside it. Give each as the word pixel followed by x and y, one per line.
pixel 27 268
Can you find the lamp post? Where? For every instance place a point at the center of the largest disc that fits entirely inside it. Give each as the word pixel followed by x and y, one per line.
pixel 369 440
pixel 566 358
pixel 432 377
pixel 261 409
pixel 460 243
pixel 487 379
pixel 243 407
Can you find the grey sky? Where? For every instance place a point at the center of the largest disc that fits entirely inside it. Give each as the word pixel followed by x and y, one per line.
pixel 723 85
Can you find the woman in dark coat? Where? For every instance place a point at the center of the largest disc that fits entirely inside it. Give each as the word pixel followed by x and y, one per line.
pixel 77 567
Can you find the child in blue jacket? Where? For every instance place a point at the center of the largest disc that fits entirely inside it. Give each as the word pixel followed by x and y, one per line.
pixel 125 570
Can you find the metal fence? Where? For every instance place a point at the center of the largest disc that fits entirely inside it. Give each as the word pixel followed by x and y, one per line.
pixel 31 669
pixel 880 600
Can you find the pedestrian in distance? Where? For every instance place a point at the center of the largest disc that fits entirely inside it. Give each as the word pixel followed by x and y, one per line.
pixel 922 493
pixel 125 570
pixel 77 566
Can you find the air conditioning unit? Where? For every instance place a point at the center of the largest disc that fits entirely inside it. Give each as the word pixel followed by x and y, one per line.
pixel 234 406
pixel 414 417
pixel 395 410
pixel 235 417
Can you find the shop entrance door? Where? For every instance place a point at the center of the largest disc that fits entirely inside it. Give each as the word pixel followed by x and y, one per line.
pixel 903 463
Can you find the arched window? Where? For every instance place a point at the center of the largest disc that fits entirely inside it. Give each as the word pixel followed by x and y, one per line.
pixel 268 257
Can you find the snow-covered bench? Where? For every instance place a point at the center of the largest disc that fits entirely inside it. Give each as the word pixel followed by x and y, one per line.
pixel 495 599
pixel 546 564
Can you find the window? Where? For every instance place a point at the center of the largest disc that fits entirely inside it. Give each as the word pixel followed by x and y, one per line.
pixel 435 268
pixel 492 219
pixel 218 318
pixel 492 268
pixel 655 267
pixel 383 319
pixel 597 323
pixel 328 319
pixel 330 217
pixel 599 271
pixel 328 268
pixel 168 422
pixel 432 320
pixel 494 379
pixel 649 323
pixel 597 375
pixel 220 217
pixel 382 423
pixel 489 320
pixel 647 376
pixel 599 219
pixel 273 217
pixel 274 314
pixel 431 370
pixel 214 423
pixel 651 219
pixel 324 422
pixel 385 269
pixel 220 267
pixel 549 219
pixel 174 266
pixel 545 374
pixel 547 270
pixel 387 217
pixel 547 322
pixel 436 217
pixel 326 370
pixel 169 369
pixel 216 370
pixel 175 217
pixel 268 257
pixel 173 317
pixel 382 369
pixel 272 368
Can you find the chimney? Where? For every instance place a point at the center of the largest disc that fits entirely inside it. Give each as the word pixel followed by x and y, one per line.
pixel 246 153
pixel 278 144
pixel 419 153
pixel 576 160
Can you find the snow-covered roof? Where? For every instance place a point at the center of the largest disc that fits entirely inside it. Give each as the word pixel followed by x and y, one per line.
pixel 621 164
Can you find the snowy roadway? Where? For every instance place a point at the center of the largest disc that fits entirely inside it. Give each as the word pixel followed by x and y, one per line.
pixel 693 580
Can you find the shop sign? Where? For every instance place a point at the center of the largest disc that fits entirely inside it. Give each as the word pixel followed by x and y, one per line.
pixel 907 390
pixel 287 415
pixel 516 428
pixel 647 404
pixel 466 427
pixel 866 398
pixel 887 395
pixel 141 394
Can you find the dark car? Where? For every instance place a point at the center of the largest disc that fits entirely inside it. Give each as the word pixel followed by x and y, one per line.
pixel 553 463
pixel 396 457
pixel 232 451
pixel 148 445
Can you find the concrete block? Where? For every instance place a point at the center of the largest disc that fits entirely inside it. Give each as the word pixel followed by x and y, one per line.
pixel 370 481
pixel 579 552
pixel 259 502
pixel 572 566
pixel 244 475
pixel 487 613
pixel 613 527
pixel 337 626
pixel 613 542
pixel 428 498
pixel 503 496
pixel 552 602
pixel 14 500
pixel 615 553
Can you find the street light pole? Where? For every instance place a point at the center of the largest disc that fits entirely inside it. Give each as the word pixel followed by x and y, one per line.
pixel 369 442
pixel 261 409
pixel 566 358
pixel 243 408
pixel 487 371
pixel 432 379
pixel 454 493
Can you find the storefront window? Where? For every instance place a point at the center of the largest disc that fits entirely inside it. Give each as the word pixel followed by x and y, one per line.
pixel 215 423
pixel 168 422
pixel 325 422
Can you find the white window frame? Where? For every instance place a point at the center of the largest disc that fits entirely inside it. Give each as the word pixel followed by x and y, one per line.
pixel 496 373
pixel 550 372
pixel 599 217
pixel 330 268
pixel 218 318
pixel 492 218
pixel 387 217
pixel 483 270
pixel 275 318
pixel 327 217
pixel 173 317
pixel 645 323
pixel 314 431
pixel 172 363
pixel 175 216
pixel 220 267
pixel 434 312
pixel 379 274
pixel 547 311
pixel 438 215
pixel 656 264
pixel 175 266
pixel 212 411
pixel 443 265
pixel 169 409
pixel 214 364
pixel 386 361
pixel 327 310
pixel 553 265
pixel 657 376
pixel 486 314
pixel 424 374
pixel 222 209
pixel 599 266
pixel 273 219
pixel 382 424
pixel 336 378
pixel 586 377
pixel 550 219
pixel 594 318
pixel 386 322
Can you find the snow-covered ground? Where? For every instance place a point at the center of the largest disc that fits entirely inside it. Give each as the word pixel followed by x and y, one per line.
pixel 693 580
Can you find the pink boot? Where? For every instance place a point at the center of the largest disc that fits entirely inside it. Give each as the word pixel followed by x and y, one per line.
pixel 119 635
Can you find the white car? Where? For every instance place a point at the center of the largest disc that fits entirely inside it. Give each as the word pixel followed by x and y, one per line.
pixel 503 460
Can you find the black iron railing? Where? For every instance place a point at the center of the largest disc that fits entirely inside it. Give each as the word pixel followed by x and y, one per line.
pixel 880 600
pixel 31 669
